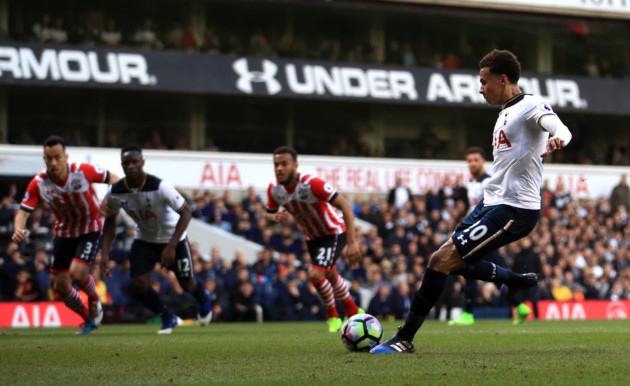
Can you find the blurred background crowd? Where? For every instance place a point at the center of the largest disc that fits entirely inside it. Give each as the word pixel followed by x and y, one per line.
pixel 347 33
pixel 579 247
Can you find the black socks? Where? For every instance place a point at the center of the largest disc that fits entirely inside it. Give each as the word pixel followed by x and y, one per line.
pixel 151 300
pixel 423 300
pixel 487 271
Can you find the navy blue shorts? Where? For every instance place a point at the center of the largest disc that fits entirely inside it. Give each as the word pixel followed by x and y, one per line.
pixel 144 255
pixel 325 250
pixel 488 228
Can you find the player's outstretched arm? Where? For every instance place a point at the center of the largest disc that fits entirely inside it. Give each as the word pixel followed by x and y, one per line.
pixel 19 225
pixel 113 178
pixel 352 249
pixel 561 136
pixel 168 254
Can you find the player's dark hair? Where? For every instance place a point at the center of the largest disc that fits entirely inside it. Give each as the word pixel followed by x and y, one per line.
pixel 53 140
pixel 127 148
pixel 476 150
pixel 286 150
pixel 502 62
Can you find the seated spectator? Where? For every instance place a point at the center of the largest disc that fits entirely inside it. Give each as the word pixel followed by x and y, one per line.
pixel 26 289
pixel 89 35
pixel 451 61
pixel 42 273
pixel 58 33
pixel 394 56
pixel 188 42
pixel 408 56
pixel 220 300
pixel 591 68
pixel 382 305
pixel 242 307
pixel 155 142
pixel 111 35
pixel 173 38
pixel 42 30
pixel 146 36
pixel 309 307
pixel 402 300
pixel 259 46
pixel 209 145
pixel 210 43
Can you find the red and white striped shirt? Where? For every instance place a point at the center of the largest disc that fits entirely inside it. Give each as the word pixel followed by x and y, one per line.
pixel 310 204
pixel 74 202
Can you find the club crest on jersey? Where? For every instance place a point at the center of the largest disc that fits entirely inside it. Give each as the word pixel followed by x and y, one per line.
pixel 76 184
pixel 545 107
pixel 500 141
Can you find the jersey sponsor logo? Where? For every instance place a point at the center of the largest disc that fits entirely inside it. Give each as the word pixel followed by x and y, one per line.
pixel 279 194
pixel 75 66
pixel 302 192
pixel 459 88
pixel 501 141
pixel 310 79
pixel 141 215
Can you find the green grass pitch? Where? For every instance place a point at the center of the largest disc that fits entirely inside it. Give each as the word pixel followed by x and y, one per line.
pixel 491 352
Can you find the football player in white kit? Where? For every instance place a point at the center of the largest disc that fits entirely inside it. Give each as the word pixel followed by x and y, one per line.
pixel 526 130
pixel 476 159
pixel 162 216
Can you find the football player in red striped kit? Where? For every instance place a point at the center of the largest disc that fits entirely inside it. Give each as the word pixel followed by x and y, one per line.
pixel 314 203
pixel 67 188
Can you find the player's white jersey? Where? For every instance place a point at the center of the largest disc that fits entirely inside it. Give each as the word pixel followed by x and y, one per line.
pixel 518 141
pixel 476 188
pixel 154 207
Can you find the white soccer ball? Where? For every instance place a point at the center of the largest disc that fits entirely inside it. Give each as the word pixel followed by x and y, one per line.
pixel 361 332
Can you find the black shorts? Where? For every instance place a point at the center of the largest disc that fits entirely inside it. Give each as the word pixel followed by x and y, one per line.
pixel 144 255
pixel 325 250
pixel 82 249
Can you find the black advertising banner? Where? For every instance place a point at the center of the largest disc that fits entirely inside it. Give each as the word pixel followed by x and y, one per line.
pixel 71 66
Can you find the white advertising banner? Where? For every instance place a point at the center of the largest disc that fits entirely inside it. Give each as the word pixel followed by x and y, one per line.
pixel 237 171
pixel 599 8
pixel 619 6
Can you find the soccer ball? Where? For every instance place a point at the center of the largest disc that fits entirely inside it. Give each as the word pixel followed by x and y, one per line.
pixel 361 332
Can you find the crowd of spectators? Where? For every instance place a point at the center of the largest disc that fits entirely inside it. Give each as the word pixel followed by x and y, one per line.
pixel 98 29
pixel 580 247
